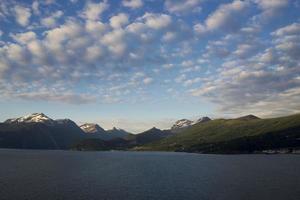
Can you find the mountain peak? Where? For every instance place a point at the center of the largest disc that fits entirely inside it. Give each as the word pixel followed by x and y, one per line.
pixel 154 129
pixel 91 128
pixel 248 117
pixel 202 119
pixel 34 117
pixel 182 123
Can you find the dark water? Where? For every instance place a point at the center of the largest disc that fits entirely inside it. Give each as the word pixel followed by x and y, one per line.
pixel 140 175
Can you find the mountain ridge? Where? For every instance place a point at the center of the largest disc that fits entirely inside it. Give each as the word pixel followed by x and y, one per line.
pixel 246 134
pixel 234 136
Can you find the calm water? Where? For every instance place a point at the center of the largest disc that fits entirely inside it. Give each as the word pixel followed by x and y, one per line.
pixel 142 175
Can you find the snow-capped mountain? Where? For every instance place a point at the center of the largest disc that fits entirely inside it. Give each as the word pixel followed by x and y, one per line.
pixel 35 117
pixel 182 123
pixel 38 131
pixel 92 128
pixel 96 131
pixel 185 123
pixel 201 120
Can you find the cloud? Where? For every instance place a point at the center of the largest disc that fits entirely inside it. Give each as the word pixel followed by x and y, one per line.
pixel 264 82
pixel 50 97
pixel 22 15
pixel 119 20
pixel 51 21
pixel 24 38
pixel 182 6
pixel 287 41
pixel 157 21
pixel 93 11
pixel 228 58
pixel 147 80
pixel 226 17
pixel 271 5
pixel 85 51
pixel 292 29
pixel 133 4
pixel 270 8
pixel 35 7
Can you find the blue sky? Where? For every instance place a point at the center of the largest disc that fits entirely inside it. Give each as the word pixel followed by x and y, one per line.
pixel 136 64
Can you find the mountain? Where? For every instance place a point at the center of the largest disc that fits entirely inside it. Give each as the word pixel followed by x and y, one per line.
pixel 35 117
pixel 241 135
pixel 248 117
pixel 151 135
pixel 183 124
pixel 202 120
pixel 91 128
pixel 37 131
pixel 118 133
pixel 122 140
pixel 97 132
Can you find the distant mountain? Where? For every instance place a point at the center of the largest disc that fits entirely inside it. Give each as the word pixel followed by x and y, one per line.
pixel 151 135
pixel 91 128
pixel 37 131
pixel 97 132
pixel 247 134
pixel 35 117
pixel 248 117
pixel 183 124
pixel 118 133
pixel 202 120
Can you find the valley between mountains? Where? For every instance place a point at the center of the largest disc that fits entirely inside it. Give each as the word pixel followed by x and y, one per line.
pixel 247 134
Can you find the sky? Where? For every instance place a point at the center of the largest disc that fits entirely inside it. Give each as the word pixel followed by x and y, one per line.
pixel 135 64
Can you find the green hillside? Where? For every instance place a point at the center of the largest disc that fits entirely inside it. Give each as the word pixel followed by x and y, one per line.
pixel 234 135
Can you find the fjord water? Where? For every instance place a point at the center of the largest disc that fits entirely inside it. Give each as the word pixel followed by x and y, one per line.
pixel 32 174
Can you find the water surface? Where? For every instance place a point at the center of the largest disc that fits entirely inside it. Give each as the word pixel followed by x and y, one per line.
pixel 32 174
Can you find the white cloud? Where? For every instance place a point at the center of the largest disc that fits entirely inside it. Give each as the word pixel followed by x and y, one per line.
pixel 35 7
pixel 226 16
pixel 119 20
pixel 181 78
pixel 271 4
pixel 96 28
pixel 22 15
pixel 133 4
pixel 292 29
pixel 24 38
pixel 93 11
pixel 157 21
pixel 61 97
pixel 51 21
pixel 169 36
pixel 190 82
pixel 270 8
pixel 147 80
pixel 264 82
pixel 182 6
